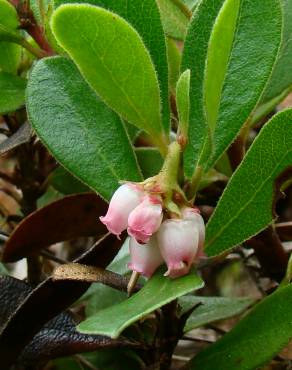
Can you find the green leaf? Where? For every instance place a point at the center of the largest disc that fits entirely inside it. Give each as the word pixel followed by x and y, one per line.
pixel 122 74
pixel 210 177
pixel 219 52
pixel 132 131
pixel 212 309
pixel 115 358
pixel 281 78
pixel 103 297
pixel 150 161
pixel 86 137
pixel 174 60
pixel 38 8
pixel 191 4
pixel 12 89
pixel 144 16
pixel 255 340
pixel 158 291
pixel 62 181
pixel 8 21
pixel 246 206
pixel 120 262
pixel 183 102
pixel 100 296
pixel 196 49
pixel 224 89
pixel 50 196
pixel 10 53
pixel 175 17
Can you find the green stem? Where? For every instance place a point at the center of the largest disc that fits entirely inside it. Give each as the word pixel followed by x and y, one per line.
pixel 36 52
pixel 169 173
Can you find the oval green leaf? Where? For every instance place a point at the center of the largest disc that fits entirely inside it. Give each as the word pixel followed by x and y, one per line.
pixel 86 137
pixel 10 53
pixel 211 309
pixel 12 89
pixel 281 78
pixel 144 16
pixel 175 17
pixel 113 59
pixel 255 340
pixel 194 58
pixel 234 55
pixel 158 291
pixel 246 206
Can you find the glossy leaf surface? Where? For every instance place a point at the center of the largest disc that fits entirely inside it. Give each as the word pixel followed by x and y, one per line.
pixel 222 96
pixel 144 16
pixel 281 78
pixel 255 340
pixel 158 291
pixel 56 296
pixel 175 17
pixel 10 53
pixel 57 338
pixel 247 204
pixel 212 309
pixel 113 59
pixel 86 137
pixel 12 90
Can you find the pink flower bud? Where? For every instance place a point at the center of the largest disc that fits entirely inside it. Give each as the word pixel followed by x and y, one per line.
pixel 145 258
pixel 178 242
pixel 126 198
pixel 194 214
pixel 145 219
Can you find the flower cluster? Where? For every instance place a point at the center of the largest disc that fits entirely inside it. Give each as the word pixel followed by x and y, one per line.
pixel 155 239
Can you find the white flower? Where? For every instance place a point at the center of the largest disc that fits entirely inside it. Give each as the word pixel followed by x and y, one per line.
pixel 178 240
pixel 145 219
pixel 126 198
pixel 145 258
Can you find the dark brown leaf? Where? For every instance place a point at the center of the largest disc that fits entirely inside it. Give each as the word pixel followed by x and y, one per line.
pixel 58 338
pixel 48 300
pixel 68 218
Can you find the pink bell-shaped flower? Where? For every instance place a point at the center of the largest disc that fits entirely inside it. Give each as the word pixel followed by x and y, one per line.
pixel 145 219
pixel 189 213
pixel 126 198
pixel 178 241
pixel 145 258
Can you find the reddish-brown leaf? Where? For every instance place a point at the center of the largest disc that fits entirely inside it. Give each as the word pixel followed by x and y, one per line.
pixel 58 338
pixel 68 218
pixel 48 300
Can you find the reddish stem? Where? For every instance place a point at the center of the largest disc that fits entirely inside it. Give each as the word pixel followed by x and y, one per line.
pixel 29 24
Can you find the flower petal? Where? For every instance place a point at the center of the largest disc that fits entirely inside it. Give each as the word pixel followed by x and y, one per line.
pixel 126 198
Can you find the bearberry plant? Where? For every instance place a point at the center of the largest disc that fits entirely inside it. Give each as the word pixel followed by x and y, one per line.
pixel 145 190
